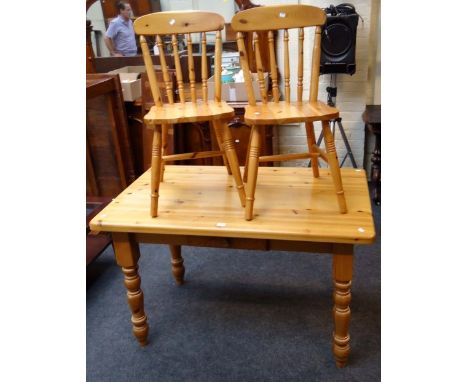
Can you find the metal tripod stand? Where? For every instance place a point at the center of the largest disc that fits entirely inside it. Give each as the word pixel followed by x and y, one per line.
pixel 332 91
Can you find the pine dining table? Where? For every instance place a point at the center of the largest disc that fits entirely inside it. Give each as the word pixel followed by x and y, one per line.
pixel 199 206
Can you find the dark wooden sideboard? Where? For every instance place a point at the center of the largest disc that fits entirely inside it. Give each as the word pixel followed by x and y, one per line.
pixel 371 118
pixel 109 158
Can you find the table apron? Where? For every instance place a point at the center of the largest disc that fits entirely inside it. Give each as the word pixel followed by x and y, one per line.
pixel 242 243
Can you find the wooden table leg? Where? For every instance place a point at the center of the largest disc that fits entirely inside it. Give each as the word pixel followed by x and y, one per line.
pixel 342 275
pixel 178 269
pixel 127 254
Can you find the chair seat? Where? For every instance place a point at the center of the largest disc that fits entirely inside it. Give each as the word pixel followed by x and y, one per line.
pixel 283 112
pixel 188 112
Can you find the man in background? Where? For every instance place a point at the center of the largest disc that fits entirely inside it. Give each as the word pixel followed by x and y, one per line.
pixel 120 36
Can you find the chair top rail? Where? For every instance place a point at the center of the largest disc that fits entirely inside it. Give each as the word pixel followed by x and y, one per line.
pixel 276 17
pixel 178 22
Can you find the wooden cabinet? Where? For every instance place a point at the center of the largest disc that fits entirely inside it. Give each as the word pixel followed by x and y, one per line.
pixel 109 159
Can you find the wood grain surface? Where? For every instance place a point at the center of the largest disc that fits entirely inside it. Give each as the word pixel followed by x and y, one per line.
pixel 178 22
pixel 284 112
pixel 290 205
pixel 278 16
pixel 188 112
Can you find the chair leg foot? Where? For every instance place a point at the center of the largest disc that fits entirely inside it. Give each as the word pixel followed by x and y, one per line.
pixel 334 166
pixel 253 153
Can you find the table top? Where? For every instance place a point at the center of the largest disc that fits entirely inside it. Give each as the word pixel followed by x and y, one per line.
pixel 290 204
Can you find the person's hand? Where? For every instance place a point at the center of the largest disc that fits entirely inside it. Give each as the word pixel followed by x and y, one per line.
pixel 117 54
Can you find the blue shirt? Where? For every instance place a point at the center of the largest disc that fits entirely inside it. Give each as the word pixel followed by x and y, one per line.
pixel 123 36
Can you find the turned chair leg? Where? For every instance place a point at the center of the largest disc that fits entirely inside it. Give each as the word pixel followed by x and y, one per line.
pixel 178 269
pixel 311 142
pixel 254 149
pixel 334 165
pixel 219 139
pixel 228 147
pixel 246 164
pixel 165 129
pixel 156 160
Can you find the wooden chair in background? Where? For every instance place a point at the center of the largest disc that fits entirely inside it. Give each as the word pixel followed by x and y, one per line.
pixel 270 19
pixel 161 115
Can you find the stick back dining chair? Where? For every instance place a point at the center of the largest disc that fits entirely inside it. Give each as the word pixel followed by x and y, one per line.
pixel 270 19
pixel 216 112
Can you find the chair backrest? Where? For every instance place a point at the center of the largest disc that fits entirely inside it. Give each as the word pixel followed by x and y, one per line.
pixel 174 23
pixel 274 18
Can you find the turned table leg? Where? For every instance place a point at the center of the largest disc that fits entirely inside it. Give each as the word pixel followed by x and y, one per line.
pixel 127 254
pixel 178 269
pixel 342 275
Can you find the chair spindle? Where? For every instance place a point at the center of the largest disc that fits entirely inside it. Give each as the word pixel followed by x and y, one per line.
pixel 287 89
pixel 162 58
pixel 300 69
pixel 245 68
pixel 218 49
pixel 314 78
pixel 193 94
pixel 180 82
pixel 260 73
pixel 273 67
pixel 204 69
pixel 150 70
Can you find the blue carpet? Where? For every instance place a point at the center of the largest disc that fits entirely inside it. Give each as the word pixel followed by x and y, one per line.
pixel 240 316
